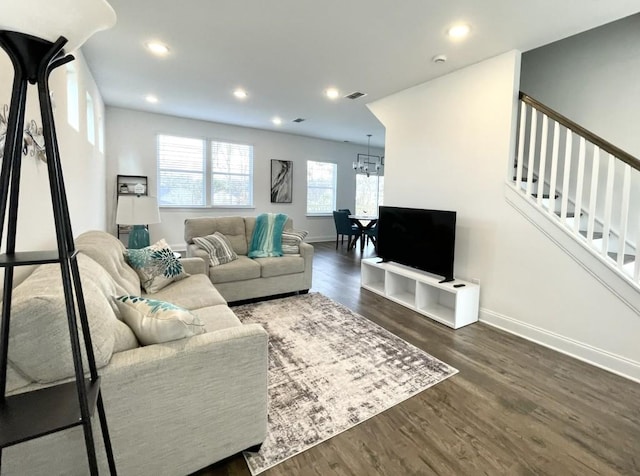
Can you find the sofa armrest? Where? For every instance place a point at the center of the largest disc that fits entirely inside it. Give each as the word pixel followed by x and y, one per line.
pixel 306 251
pixel 195 265
pixel 210 389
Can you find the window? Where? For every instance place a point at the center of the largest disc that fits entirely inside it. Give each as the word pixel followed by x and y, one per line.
pixel 91 124
pixel 73 98
pixel 231 174
pixel 200 173
pixel 369 194
pixel 321 187
pixel 101 134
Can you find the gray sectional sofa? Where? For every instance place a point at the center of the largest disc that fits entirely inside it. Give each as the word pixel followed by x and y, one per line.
pixel 172 408
pixel 247 278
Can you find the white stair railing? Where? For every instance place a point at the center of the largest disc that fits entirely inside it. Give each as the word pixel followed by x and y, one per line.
pixel 589 187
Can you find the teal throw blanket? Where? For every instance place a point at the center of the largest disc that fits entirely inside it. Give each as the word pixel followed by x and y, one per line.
pixel 267 235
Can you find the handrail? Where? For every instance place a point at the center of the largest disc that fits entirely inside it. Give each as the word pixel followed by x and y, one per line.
pixel 590 136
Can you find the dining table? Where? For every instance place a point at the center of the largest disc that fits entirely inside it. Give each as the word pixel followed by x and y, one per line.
pixel 364 223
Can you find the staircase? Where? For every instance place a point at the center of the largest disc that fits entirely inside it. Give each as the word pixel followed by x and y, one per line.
pixel 583 186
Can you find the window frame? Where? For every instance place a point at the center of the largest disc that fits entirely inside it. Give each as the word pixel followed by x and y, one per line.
pixel 207 173
pixel 379 192
pixel 334 189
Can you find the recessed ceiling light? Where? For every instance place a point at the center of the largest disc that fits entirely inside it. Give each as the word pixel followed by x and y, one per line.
pixel 458 31
pixel 157 48
pixel 240 93
pixel 277 121
pixel 151 98
pixel 332 93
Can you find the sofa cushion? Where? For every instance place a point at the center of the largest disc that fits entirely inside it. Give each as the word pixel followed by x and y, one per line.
pixel 193 292
pixel 279 266
pixel 39 344
pixel 217 317
pixel 156 265
pixel 107 251
pixel 231 227
pixel 218 248
pixel 239 270
pixel 155 322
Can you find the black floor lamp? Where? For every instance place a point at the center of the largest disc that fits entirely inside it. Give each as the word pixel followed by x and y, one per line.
pixel 38 36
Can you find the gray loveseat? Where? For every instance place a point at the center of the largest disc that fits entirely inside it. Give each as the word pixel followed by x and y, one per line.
pixel 247 278
pixel 172 408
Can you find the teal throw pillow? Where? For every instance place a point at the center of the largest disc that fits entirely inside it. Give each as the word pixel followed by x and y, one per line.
pixel 156 265
pixel 155 322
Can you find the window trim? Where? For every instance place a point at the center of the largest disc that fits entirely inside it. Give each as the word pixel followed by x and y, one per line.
pixel 334 188
pixel 208 173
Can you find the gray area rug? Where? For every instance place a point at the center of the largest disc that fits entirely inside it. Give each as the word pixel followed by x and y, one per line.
pixel 330 369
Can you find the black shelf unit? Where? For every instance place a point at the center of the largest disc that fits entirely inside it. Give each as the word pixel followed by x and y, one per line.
pixel 30 415
pixel 129 183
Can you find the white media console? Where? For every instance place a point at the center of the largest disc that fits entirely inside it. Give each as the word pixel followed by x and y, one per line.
pixel 421 291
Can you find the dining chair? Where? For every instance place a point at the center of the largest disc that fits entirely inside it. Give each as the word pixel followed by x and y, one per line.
pixel 344 227
pixel 345 210
pixel 372 234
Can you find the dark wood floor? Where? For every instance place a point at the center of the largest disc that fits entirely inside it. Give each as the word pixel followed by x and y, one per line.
pixel 514 408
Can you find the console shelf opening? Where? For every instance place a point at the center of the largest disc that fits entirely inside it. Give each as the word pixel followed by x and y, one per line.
pixel 422 292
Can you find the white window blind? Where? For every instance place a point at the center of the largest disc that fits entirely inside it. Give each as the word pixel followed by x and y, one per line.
pixel 231 174
pixel 200 173
pixel 321 187
pixel 181 172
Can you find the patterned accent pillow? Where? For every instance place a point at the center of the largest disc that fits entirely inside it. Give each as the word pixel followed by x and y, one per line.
pixel 156 265
pixel 218 246
pixel 291 240
pixel 155 322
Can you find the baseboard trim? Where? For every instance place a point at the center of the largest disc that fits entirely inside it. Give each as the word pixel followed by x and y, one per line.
pixel 597 357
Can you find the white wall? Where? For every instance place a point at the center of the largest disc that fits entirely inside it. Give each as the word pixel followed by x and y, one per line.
pixel 592 78
pixel 132 150
pixel 448 144
pixel 83 164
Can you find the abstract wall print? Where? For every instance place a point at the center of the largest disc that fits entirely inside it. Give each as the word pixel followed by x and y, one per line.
pixel 32 142
pixel 281 181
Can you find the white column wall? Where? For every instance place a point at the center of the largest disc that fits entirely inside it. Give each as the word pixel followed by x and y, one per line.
pixel 448 145
pixel 83 164
pixel 132 151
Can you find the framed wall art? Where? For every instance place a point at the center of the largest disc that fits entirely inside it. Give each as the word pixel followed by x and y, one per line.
pixel 281 181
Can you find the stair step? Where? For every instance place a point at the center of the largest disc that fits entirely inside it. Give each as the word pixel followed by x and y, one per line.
pixel 545 195
pixel 627 258
pixel 569 214
pixel 524 179
pixel 597 235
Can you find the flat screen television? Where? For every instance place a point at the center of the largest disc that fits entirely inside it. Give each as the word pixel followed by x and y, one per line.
pixel 422 239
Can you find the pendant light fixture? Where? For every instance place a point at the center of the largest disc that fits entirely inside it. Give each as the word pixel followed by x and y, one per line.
pixel 369 164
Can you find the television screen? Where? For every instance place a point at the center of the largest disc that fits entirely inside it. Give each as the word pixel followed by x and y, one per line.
pixel 422 239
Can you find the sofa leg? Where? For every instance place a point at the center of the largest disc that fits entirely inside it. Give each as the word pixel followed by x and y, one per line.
pixel 254 448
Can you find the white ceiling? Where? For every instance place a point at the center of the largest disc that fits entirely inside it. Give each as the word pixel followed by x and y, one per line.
pixel 285 53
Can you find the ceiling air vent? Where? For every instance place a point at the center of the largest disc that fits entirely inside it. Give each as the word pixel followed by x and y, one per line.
pixel 355 95
pixel 299 119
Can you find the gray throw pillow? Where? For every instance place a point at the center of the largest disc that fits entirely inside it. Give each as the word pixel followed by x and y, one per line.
pixel 218 247
pixel 291 240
